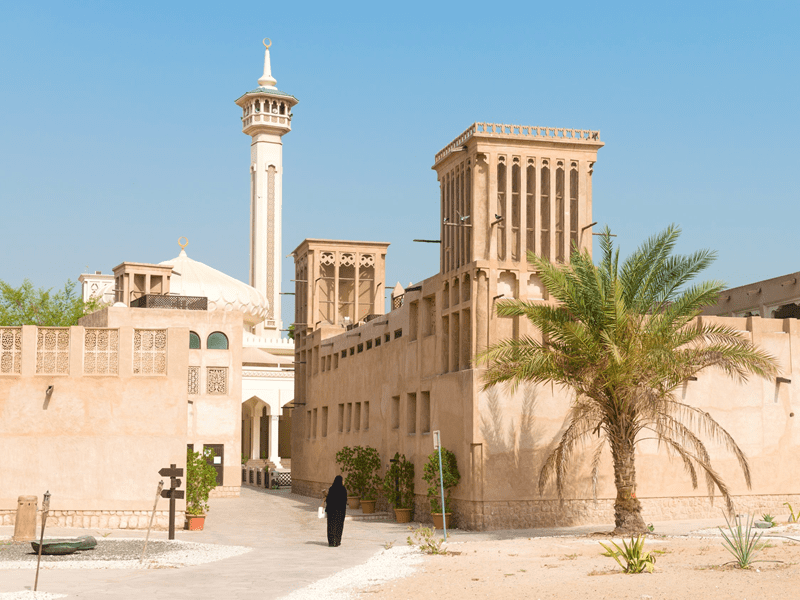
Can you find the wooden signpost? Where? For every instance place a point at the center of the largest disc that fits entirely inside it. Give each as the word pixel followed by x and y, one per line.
pixel 173 472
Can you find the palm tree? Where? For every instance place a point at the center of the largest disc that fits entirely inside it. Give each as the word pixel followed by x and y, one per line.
pixel 623 339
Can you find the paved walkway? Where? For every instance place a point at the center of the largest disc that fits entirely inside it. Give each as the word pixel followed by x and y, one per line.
pixel 290 551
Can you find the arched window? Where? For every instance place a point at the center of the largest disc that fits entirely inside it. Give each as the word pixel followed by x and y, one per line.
pixel 217 341
pixel 194 341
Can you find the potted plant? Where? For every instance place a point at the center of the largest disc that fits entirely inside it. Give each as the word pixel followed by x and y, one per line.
pixel 367 463
pixel 450 476
pixel 398 485
pixel 346 458
pixel 201 478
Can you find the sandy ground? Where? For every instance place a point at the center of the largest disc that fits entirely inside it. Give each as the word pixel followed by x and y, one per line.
pixel 574 567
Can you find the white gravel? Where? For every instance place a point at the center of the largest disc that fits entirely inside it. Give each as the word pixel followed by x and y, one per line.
pixel 179 554
pixel 29 595
pixel 386 565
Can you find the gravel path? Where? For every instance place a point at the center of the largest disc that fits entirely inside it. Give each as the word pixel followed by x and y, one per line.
pixel 120 554
pixel 386 565
pixel 29 595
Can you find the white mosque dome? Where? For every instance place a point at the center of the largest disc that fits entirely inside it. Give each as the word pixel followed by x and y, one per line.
pixel 192 278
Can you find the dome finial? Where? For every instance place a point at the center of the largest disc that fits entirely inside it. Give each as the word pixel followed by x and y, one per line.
pixel 267 80
pixel 183 244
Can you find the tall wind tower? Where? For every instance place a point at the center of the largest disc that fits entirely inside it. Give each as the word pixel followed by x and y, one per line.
pixel 266 117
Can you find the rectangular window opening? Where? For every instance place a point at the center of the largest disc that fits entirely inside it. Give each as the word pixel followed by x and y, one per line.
pixel 411 403
pixel 395 412
pixel 425 413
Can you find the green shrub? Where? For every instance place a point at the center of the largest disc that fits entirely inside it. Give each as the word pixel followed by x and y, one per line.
pixel 636 560
pixel 425 539
pixel 201 478
pixel 402 470
pixel 450 475
pixel 367 463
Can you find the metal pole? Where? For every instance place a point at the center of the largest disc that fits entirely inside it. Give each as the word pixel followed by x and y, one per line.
pixel 172 505
pixel 441 485
pixel 152 516
pixel 45 510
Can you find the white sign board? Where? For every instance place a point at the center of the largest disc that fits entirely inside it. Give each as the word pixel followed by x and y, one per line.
pixel 437 439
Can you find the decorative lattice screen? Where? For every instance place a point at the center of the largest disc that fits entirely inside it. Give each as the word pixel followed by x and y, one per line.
pixel 149 351
pixel 194 380
pixel 52 351
pixel 101 352
pixel 217 381
pixel 10 350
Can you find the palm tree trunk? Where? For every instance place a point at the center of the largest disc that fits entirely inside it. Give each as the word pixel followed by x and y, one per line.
pixel 627 508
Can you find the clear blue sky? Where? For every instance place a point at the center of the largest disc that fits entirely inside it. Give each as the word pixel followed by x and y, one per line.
pixel 119 131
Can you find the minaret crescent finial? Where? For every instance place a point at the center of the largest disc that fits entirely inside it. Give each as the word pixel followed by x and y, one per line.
pixel 267 80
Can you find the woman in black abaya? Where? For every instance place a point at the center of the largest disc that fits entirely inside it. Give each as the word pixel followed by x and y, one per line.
pixel 336 505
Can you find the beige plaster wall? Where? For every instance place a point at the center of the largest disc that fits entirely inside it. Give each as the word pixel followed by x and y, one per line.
pixel 99 442
pixel 211 419
pixel 501 438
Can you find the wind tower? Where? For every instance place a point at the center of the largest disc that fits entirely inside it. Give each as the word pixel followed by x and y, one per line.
pixel 266 118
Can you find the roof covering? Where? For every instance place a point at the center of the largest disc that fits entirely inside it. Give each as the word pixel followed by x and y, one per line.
pixel 270 91
pixel 193 278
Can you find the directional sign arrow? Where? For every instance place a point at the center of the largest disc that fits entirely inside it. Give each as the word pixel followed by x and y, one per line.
pixel 167 472
pixel 175 483
pixel 177 494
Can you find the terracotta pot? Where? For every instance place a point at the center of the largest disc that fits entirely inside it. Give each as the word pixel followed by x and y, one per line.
pixel 353 501
pixel 368 506
pixel 437 520
pixel 402 515
pixel 196 522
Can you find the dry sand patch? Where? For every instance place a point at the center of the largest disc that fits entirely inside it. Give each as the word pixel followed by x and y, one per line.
pixel 574 567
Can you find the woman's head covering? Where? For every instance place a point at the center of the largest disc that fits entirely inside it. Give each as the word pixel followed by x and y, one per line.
pixel 337 495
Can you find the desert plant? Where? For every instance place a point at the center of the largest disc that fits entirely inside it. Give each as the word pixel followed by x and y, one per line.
pixel 425 539
pixel 792 516
pixel 623 338
pixel 741 541
pixel 450 475
pixel 366 464
pixel 634 556
pixel 201 478
pixel 402 470
pixel 769 519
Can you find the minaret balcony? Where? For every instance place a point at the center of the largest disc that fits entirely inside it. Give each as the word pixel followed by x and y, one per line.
pixel 255 121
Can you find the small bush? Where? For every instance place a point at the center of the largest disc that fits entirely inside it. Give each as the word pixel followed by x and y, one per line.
pixel 636 560
pixel 741 541
pixel 201 478
pixel 425 539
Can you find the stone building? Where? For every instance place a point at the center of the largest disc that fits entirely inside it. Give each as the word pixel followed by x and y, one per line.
pixel 387 380
pixel 776 298
pixel 92 413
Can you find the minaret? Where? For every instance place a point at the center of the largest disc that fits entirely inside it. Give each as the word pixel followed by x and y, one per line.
pixel 266 117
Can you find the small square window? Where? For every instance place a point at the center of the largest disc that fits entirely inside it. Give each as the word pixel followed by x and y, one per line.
pixel 387 338
pixel 377 341
pixel 360 348
pixel 344 353
pixel 398 334
pixel 352 351
pixel 369 344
